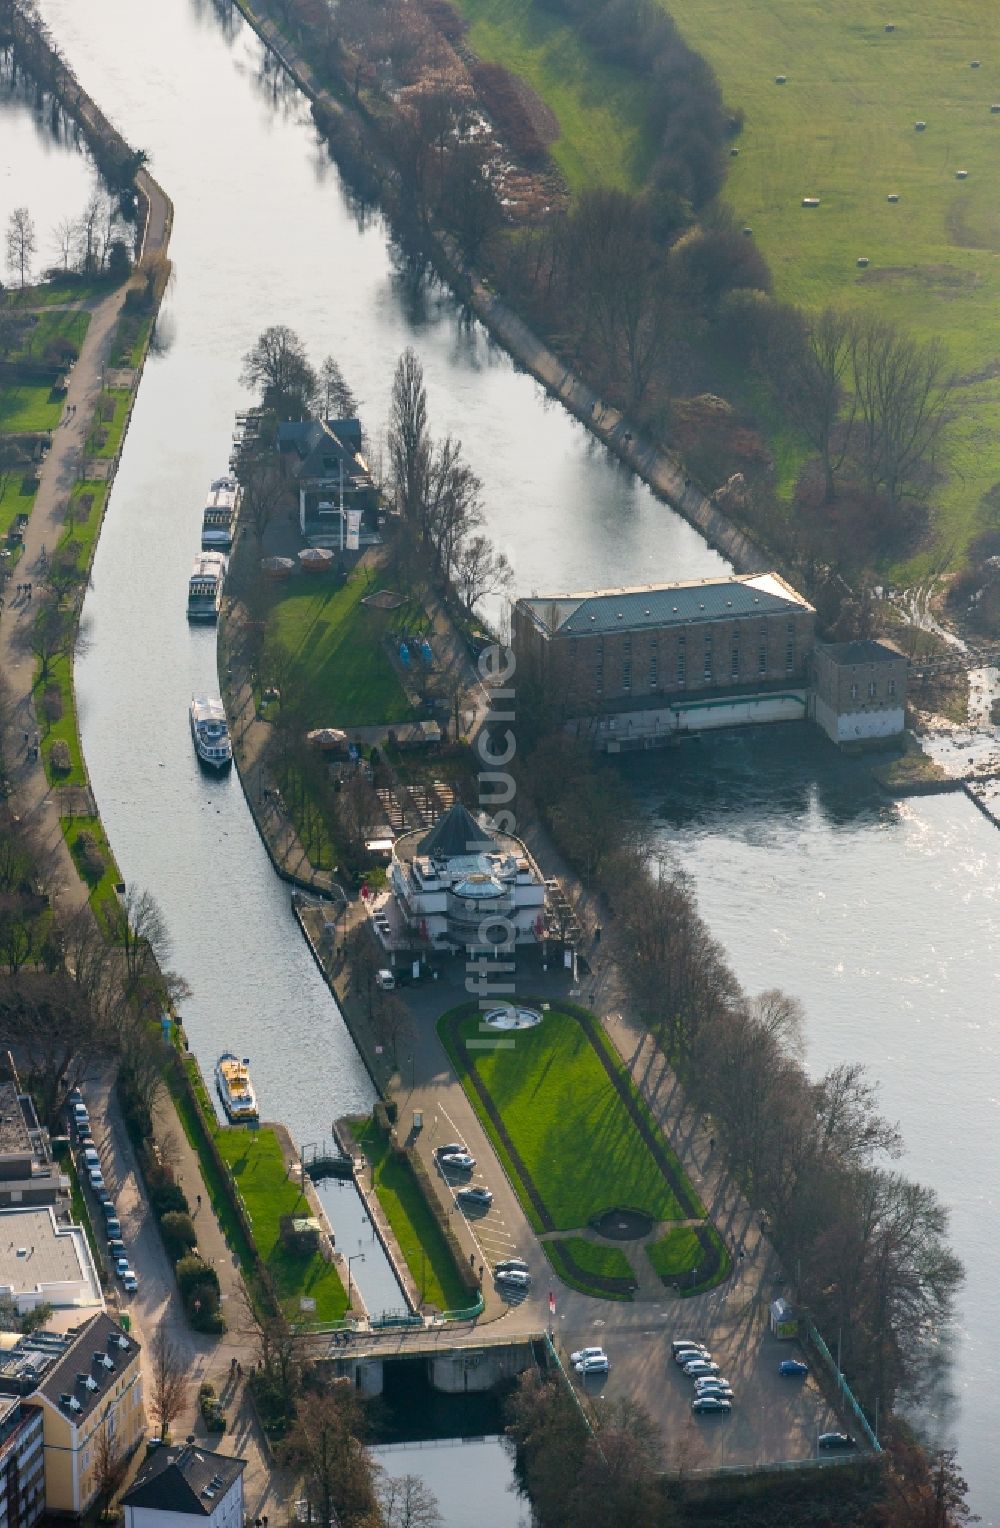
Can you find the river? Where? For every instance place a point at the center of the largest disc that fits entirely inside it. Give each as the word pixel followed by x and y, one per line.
pixel 880 918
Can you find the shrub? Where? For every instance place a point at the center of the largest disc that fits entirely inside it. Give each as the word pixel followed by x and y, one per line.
pixel 193 1274
pixel 92 861
pixel 167 1198
pixel 59 757
pixel 179 1234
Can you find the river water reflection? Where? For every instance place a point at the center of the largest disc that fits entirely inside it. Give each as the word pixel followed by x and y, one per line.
pixel 883 920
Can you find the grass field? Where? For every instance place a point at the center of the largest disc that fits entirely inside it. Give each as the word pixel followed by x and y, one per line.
pixel 254 1157
pixel 578 1144
pixel 28 406
pixel 590 1267
pixel 681 1256
pixel 599 109
pixel 335 645
pixel 420 1238
pixel 106 433
pixel 842 129
pixel 51 325
pixel 14 500
pixel 102 887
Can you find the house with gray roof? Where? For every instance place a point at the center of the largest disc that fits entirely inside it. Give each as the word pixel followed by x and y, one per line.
pixel 633 667
pixel 326 461
pixel 177 1484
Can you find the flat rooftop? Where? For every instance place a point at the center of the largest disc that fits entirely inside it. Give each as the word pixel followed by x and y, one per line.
pixel 654 605
pixel 14 1138
pixel 850 653
pixel 37 1254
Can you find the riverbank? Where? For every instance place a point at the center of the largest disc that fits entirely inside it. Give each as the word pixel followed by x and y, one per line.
pixel 659 469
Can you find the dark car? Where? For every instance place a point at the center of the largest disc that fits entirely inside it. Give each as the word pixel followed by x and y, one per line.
pixel 116 1248
pixel 836 1440
pixel 793 1366
pixel 447 1151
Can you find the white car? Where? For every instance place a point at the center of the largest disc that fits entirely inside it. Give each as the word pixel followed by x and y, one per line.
pixel 458 1161
pixel 597 1364
pixel 688 1355
pixel 513 1278
pixel 724 1391
pixel 584 1353
pixel 701 1366
pixel 511 1265
pixel 710 1382
pixel 96 1179
pixel 130 1281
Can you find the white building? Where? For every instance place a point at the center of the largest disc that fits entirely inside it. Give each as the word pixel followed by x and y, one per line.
pixel 176 1484
pixel 45 1263
pixel 462 887
pixel 859 691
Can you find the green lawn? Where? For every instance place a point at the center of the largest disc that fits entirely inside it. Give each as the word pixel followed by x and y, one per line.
pixel 14 499
pixel 63 727
pixel 413 1223
pixel 599 109
pixel 338 661
pixel 28 406
pixel 584 1265
pixel 106 433
pixel 55 293
pixel 53 324
pixel 102 887
pixel 254 1157
pixel 842 129
pixel 682 1254
pixel 563 1118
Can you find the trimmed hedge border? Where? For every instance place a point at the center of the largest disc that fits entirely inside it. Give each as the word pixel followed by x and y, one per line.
pixel 604 1286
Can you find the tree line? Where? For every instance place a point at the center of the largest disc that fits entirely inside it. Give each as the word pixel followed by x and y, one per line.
pixel 93 244
pixel 867 1246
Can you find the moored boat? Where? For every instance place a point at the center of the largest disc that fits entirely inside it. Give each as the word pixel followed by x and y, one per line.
pixel 205 586
pixel 210 732
pixel 232 1080
pixel 219 515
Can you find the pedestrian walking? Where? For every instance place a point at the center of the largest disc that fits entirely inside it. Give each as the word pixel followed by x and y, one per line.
pixel 711 1145
pixel 27 739
pixel 197 1199
pixel 239 1369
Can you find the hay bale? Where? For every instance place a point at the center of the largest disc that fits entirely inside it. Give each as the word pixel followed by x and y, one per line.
pixel 892 197
pixel 890 26
pixel 734 153
pixel 780 79
pixel 920 126
pixel 961 174
pixel 862 261
pixel 810 201
pixel 995 108
pixel 747 231
pixel 974 64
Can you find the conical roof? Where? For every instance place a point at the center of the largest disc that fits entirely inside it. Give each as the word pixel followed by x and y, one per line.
pixel 457 832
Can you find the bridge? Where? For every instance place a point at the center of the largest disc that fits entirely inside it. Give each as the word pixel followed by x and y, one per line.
pixel 959 660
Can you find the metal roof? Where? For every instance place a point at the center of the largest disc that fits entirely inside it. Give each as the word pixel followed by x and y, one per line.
pixel 456 833
pixel 663 605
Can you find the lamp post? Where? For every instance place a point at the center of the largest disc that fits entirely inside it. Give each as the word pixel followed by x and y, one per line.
pixel 355 1257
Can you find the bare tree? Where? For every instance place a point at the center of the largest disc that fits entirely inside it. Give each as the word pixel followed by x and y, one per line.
pixel 338 400
pixel 406 1502
pixel 324 1445
pixel 65 234
pixel 50 636
pixel 22 243
pixel 902 391
pixel 264 489
pixel 277 367
pixel 481 571
pixel 811 376
pixel 408 438
pixel 452 505
pixel 110 1466
pixel 168 1381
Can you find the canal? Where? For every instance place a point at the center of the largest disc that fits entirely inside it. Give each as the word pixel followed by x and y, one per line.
pixel 882 919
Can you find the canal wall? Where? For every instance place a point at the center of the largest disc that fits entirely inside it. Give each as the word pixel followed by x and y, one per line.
pixel 660 469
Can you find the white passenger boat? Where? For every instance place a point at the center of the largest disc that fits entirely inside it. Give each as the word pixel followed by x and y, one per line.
pixel 218 519
pixel 232 1079
pixel 205 586
pixel 210 732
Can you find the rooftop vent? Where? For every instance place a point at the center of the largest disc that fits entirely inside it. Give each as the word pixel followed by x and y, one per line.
pixel 91 1382
pixel 73 1403
pixel 620 616
pixel 593 618
pixel 729 604
pixel 121 1340
pixel 647 612
pixel 106 1361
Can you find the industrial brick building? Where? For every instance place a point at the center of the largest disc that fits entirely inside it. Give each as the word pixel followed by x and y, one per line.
pixel 635 666
pixel 860 691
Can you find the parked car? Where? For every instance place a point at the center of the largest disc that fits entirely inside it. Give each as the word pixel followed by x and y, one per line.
pixel 458 1161
pixel 386 980
pixel 449 1151
pixel 725 1392
pixel 121 1265
pixel 130 1281
pixel 107 1205
pixel 793 1366
pixel 510 1265
pixel 709 1382
pixel 836 1440
pixel 113 1229
pixel 79 1109
pixel 83 1134
pixel 89 1156
pixel 96 1178
pixel 703 1403
pixel 582 1353
pixel 699 1367
pixel 476 1194
pixel 116 1247
pixel 74 1096
pixel 680 1343
pixel 514 1278
pixel 598 1364
pixel 684 1355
